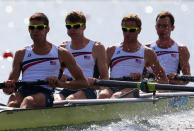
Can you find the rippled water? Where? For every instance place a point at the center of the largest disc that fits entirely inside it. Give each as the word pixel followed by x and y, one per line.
pixel 103 24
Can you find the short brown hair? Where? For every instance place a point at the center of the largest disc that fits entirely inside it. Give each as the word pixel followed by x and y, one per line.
pixel 132 17
pixel 76 16
pixel 164 14
pixel 40 17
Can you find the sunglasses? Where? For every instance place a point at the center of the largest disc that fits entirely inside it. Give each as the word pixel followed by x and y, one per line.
pixel 75 26
pixel 130 29
pixel 39 27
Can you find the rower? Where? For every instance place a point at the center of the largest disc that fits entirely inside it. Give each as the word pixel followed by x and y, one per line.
pixel 172 56
pixel 37 62
pixel 90 56
pixel 130 57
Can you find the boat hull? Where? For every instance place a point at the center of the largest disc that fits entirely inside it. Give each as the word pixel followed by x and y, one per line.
pixel 79 114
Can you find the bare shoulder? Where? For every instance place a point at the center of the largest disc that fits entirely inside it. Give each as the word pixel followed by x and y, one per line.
pixel 63 44
pixel 149 55
pixel 149 51
pixel 184 52
pixel 20 53
pixel 63 51
pixel 98 45
pixel 111 49
pixel 183 48
pixel 98 49
pixel 65 57
pixel 19 56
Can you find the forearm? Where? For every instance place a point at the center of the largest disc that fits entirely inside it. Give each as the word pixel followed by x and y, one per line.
pixel 74 84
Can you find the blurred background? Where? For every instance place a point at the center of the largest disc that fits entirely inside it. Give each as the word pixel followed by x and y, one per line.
pixel 103 24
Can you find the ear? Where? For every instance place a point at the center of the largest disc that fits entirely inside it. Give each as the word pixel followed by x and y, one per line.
pixel 139 30
pixel 84 26
pixel 172 28
pixel 48 29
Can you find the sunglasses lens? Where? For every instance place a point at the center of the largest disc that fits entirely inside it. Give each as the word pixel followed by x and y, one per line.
pixel 124 29
pixel 68 26
pixel 31 27
pixel 132 30
pixel 40 27
pixel 76 26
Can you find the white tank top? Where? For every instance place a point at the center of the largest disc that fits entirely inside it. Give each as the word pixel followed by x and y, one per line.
pixel 83 58
pixel 168 58
pixel 123 63
pixel 38 67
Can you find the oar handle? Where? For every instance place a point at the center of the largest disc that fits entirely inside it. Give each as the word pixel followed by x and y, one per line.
pixel 26 83
pixel 185 78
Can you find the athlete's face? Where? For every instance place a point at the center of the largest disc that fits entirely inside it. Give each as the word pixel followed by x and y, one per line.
pixel 130 34
pixel 38 32
pixel 164 27
pixel 75 29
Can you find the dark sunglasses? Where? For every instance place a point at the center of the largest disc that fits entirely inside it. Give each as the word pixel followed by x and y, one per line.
pixel 130 29
pixel 75 26
pixel 39 27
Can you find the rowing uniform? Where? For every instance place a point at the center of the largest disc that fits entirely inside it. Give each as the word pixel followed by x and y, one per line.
pixel 85 60
pixel 123 63
pixel 38 67
pixel 168 58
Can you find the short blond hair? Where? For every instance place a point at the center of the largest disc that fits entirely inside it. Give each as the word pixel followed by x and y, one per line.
pixel 76 16
pixel 132 17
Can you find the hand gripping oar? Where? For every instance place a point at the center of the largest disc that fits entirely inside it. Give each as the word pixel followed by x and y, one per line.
pixel 145 86
pixel 185 78
pixel 26 83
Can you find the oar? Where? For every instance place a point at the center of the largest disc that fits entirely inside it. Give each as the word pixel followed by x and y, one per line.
pixel 26 83
pixel 143 86
pixel 185 78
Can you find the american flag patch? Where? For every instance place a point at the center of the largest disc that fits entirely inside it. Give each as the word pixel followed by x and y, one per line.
pixel 138 61
pixel 173 55
pixel 53 62
pixel 86 57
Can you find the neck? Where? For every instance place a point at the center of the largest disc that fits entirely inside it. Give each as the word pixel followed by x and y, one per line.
pixel 42 48
pixel 131 46
pixel 79 43
pixel 165 43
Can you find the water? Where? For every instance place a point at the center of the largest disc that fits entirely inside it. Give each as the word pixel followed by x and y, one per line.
pixel 103 24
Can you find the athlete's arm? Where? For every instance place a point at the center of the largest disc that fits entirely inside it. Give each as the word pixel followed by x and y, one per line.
pixel 151 60
pixel 15 72
pixel 67 60
pixel 184 56
pixel 99 55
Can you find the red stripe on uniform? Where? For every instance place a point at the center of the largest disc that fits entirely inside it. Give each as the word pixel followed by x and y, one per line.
pixel 116 62
pixel 29 65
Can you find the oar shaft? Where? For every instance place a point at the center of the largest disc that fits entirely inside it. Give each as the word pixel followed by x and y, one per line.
pixel 174 87
pixel 114 83
pixel 26 83
pixel 185 78
pixel 150 86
